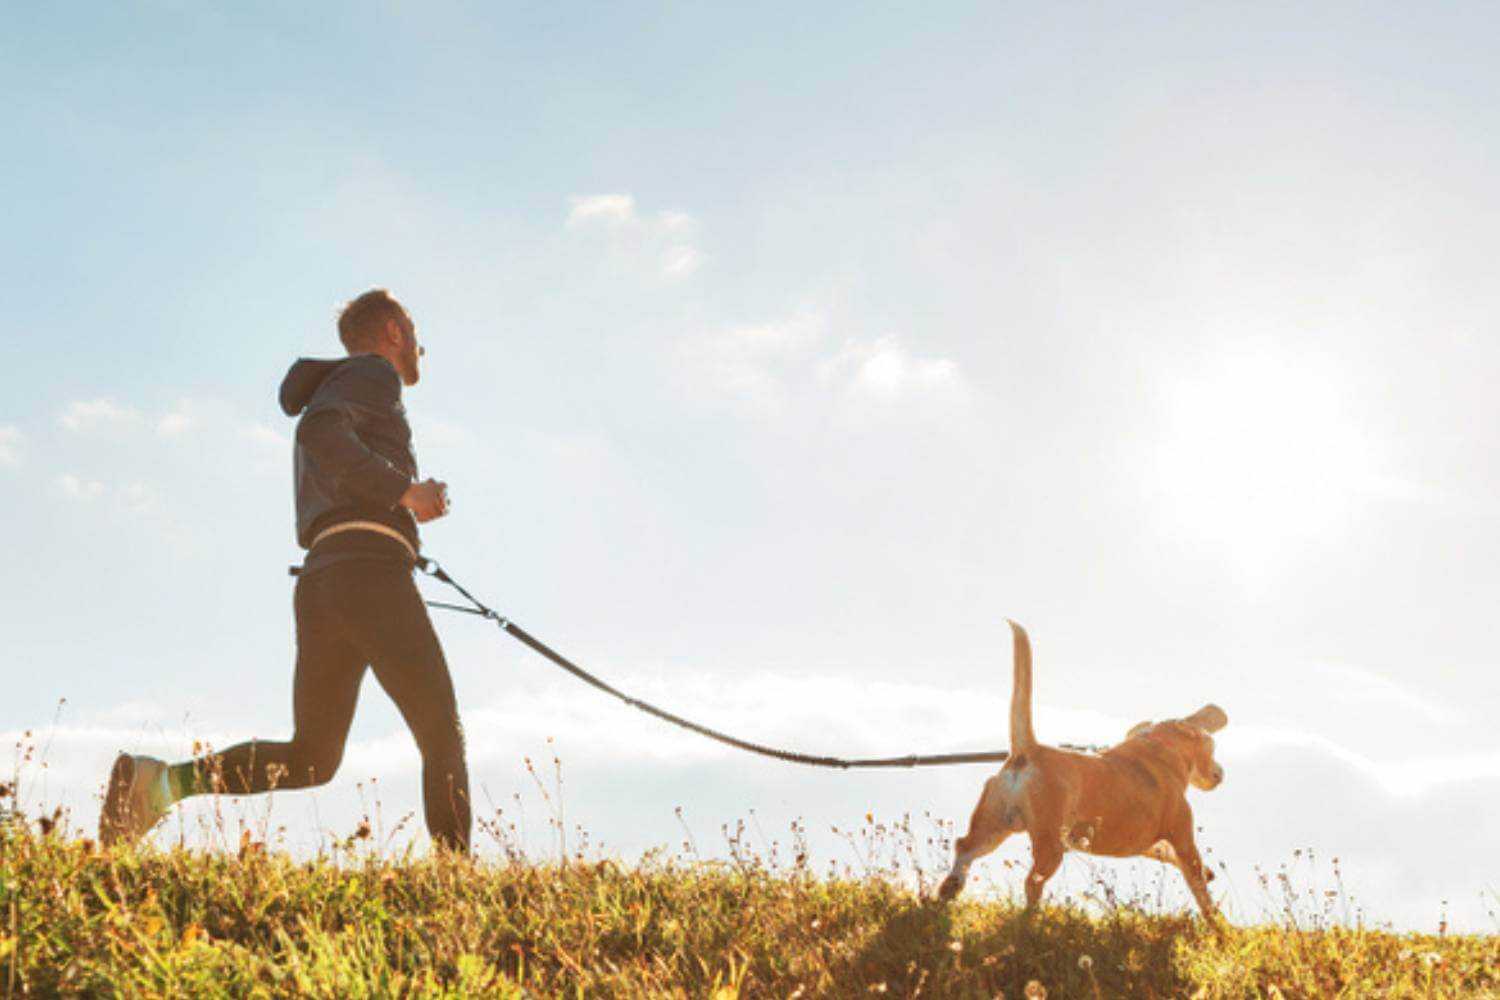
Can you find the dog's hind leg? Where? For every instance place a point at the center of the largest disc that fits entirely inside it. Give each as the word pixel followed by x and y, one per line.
pixel 968 850
pixel 1046 858
pixel 991 823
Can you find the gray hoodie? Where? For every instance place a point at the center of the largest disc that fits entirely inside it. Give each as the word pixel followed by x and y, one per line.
pixel 353 457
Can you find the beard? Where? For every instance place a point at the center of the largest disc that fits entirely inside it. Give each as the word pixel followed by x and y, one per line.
pixel 410 365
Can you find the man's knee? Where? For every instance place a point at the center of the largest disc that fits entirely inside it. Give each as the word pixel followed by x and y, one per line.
pixel 313 763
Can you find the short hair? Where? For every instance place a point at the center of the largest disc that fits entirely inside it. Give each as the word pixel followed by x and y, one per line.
pixel 363 319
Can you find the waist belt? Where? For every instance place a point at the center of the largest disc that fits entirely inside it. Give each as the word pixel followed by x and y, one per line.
pixel 375 526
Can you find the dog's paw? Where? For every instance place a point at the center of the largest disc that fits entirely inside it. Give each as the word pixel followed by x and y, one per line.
pixel 951 887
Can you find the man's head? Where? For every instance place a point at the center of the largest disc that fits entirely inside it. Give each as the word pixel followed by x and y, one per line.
pixel 375 323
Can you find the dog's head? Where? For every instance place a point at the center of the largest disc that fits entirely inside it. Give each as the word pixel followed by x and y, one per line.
pixel 1192 739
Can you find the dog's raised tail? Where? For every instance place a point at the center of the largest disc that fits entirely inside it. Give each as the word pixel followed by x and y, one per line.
pixel 1022 738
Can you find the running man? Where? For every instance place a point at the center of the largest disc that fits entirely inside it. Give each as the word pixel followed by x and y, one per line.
pixel 356 603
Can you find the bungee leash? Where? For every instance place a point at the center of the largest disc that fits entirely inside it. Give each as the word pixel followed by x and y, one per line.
pixel 432 569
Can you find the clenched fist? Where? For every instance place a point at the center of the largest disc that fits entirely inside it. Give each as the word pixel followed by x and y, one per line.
pixel 427 500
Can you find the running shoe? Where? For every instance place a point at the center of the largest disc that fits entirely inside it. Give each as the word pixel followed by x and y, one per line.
pixel 136 799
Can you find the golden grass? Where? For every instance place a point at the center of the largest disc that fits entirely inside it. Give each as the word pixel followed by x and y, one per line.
pixel 78 920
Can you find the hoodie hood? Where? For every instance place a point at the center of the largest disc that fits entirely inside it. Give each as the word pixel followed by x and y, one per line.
pixel 302 380
pixel 307 374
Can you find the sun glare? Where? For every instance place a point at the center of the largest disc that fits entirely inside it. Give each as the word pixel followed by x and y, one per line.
pixel 1257 455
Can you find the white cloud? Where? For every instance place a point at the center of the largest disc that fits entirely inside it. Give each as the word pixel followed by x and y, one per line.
pixel 612 208
pixel 77 488
pixel 10 445
pixel 264 436
pixel 85 474
pixel 762 369
pixel 271 449
pixel 135 496
pixel 178 420
pixel 85 415
pixel 784 341
pixel 679 261
pixel 1364 685
pixel 884 370
pixel 82 415
pixel 138 496
pixel 1402 777
pixel 676 222
pixel 665 239
pixel 751 369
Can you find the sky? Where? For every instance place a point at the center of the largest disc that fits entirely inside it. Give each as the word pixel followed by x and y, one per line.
pixel 776 356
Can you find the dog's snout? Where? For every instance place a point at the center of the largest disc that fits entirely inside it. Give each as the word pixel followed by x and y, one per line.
pixel 1208 778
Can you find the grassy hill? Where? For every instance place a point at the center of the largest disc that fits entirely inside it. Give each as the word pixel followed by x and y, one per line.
pixel 77 920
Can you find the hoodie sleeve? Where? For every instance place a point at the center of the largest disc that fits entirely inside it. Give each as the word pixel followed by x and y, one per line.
pixel 347 398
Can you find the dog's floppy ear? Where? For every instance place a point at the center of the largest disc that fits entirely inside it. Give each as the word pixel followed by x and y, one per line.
pixel 1138 729
pixel 1210 718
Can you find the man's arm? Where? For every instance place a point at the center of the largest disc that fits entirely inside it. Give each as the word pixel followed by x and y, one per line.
pixel 346 399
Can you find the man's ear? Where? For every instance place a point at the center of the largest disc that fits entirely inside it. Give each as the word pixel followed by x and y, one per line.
pixel 1210 718
pixel 1138 729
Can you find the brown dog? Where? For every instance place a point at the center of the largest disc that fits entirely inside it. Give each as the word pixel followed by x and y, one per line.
pixel 1130 800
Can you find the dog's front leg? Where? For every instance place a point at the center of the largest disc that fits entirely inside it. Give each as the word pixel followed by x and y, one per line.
pixel 1162 851
pixel 1185 856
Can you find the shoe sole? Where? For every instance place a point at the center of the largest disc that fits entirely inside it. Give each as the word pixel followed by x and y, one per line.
pixel 114 820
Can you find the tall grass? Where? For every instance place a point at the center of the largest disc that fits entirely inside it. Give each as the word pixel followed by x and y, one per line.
pixel 239 916
pixel 245 919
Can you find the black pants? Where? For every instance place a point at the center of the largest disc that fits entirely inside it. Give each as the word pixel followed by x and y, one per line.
pixel 350 615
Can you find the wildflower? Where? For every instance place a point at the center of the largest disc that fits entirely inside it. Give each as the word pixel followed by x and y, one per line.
pixel 1036 991
pixel 1085 962
pixel 50 823
pixel 955 946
